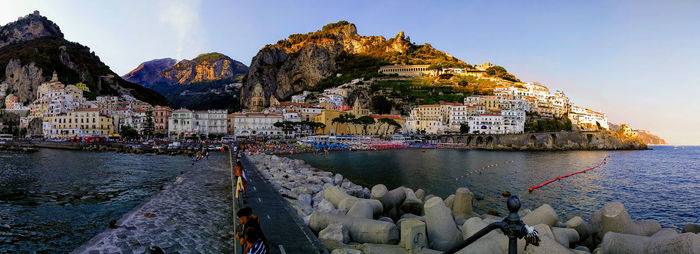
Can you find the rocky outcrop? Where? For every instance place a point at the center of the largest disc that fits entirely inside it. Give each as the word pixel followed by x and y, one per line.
pixel 205 67
pixel 32 48
pixel 303 60
pixel 650 139
pixel 28 28
pixel 563 140
pixel 23 79
pixel 148 72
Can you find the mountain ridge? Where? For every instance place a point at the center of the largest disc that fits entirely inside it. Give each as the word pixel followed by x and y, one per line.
pixel 33 48
pixel 302 61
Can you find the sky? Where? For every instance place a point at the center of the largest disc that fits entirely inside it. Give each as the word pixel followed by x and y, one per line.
pixel 636 61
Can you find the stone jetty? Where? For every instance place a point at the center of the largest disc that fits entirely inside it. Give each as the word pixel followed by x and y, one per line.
pixel 191 215
pixel 349 218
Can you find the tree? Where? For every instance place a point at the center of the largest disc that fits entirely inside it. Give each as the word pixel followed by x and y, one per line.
pixel 365 121
pixel 148 126
pixel 381 105
pixel 342 119
pixel 128 132
pixel 464 128
pixel 389 122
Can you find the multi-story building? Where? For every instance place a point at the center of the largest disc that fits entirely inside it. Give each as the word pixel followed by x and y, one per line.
pixel 160 118
pixel 587 119
pixel 181 123
pixel 81 122
pixel 425 118
pixel 332 99
pixel 256 124
pixel 408 70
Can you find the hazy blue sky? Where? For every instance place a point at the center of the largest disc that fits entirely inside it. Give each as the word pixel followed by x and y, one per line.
pixel 637 61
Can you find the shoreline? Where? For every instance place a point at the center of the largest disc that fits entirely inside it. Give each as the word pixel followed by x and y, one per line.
pixel 317 199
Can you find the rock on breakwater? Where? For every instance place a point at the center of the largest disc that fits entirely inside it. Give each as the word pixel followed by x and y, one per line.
pixel 347 219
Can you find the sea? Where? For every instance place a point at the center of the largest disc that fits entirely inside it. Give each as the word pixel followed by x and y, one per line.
pixel 661 184
pixel 53 200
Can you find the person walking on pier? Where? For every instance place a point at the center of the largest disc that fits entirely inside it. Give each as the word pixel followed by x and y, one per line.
pixel 240 176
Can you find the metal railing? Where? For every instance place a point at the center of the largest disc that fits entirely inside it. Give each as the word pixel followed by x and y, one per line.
pixel 233 199
pixel 512 227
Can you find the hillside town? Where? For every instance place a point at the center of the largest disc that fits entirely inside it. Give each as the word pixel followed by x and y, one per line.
pixel 63 111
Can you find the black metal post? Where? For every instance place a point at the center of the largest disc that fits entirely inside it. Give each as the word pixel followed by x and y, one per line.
pixel 511 226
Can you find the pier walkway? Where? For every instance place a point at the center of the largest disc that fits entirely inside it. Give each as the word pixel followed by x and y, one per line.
pixel 191 215
pixel 285 231
pixel 195 215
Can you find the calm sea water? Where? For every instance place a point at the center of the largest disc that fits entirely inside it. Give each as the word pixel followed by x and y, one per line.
pixel 68 197
pixel 661 184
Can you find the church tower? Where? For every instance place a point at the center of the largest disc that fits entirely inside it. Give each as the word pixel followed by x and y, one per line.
pixel 257 101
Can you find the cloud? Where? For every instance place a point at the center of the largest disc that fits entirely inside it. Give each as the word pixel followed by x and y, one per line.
pixel 183 17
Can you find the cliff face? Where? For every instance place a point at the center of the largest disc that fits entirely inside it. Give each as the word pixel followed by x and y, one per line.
pixel 204 68
pixel 650 139
pixel 33 48
pixel 564 140
pixel 28 28
pixel 147 72
pixel 302 60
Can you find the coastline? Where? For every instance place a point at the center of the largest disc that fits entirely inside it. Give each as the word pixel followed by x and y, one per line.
pixel 316 196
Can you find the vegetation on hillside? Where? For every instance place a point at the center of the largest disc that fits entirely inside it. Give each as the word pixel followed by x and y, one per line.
pixel 45 52
pixel 198 96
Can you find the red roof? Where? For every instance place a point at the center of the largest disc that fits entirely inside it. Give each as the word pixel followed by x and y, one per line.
pixel 390 117
pixel 291 111
pixel 298 104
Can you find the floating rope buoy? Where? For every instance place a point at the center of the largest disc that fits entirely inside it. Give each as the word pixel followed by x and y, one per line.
pixel 604 161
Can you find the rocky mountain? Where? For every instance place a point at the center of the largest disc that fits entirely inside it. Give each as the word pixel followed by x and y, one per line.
pixel 33 47
pixel 204 82
pixel 646 136
pixel 147 72
pixel 302 61
pixel 206 67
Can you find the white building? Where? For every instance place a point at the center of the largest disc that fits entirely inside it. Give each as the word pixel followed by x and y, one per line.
pixel 256 124
pixel 300 98
pixel 334 99
pixel 504 122
pixel 210 122
pixel 291 116
pixel 181 123
pixel 587 119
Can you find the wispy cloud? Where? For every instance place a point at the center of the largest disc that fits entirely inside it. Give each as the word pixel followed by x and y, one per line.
pixel 183 16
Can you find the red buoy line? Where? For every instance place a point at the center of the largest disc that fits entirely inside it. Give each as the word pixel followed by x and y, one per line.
pixel 480 170
pixel 604 161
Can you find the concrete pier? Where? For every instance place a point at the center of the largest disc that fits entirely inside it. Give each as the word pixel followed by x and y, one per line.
pixel 191 215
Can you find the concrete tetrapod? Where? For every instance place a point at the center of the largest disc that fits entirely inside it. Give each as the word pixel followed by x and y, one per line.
pixel 662 242
pixel 548 244
pixel 413 235
pixel 361 230
pixel 389 199
pixel 411 204
pixel 544 214
pixel 420 194
pixel 614 218
pixel 462 206
pixel 342 200
pixel 582 227
pixel 442 230
pixel 493 242
pixel 361 209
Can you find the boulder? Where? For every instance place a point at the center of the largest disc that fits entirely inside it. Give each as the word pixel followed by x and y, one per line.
pixel 420 194
pixel 305 198
pixel 442 230
pixel 361 230
pixel 544 214
pixel 413 235
pixel 337 179
pixel 324 206
pixel 462 206
pixel 387 219
pixel 614 218
pixel 335 232
pixel 664 242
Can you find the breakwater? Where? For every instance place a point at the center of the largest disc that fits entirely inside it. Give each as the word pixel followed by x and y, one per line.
pixel 562 140
pixel 380 220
